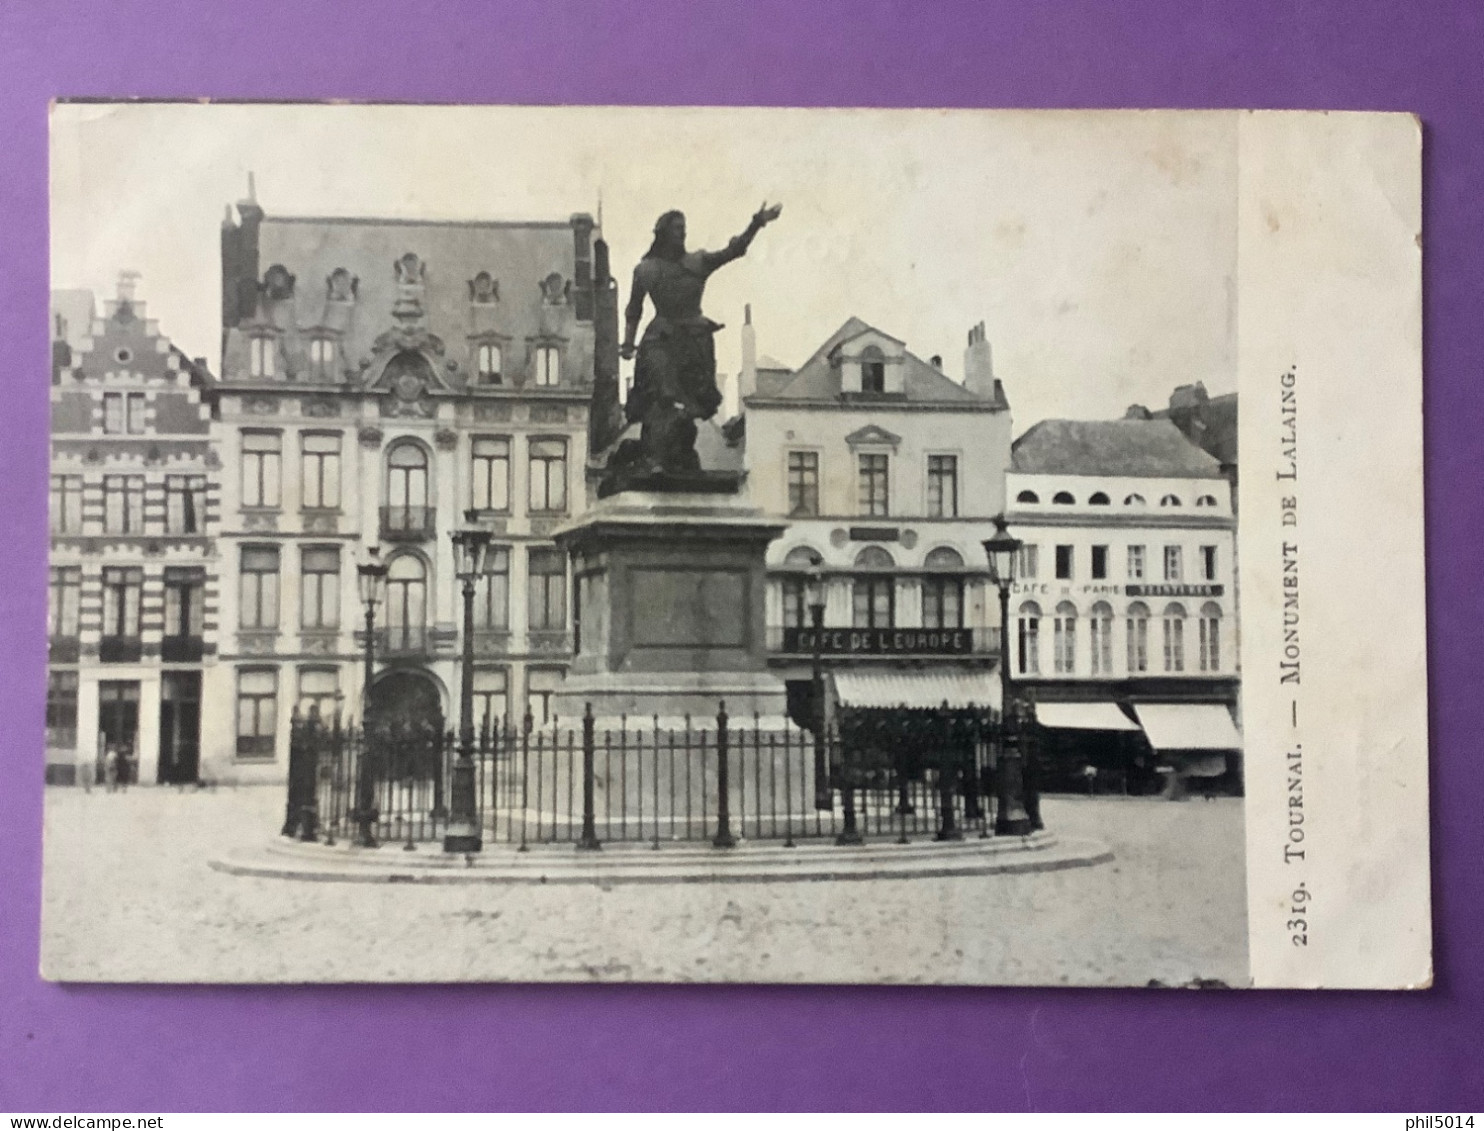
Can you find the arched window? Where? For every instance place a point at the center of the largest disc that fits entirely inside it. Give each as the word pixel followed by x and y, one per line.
pixel 1064 641
pixel 1134 500
pixel 1206 501
pixel 487 362
pixel 1028 641
pixel 1027 497
pixel 1210 626
pixel 1100 633
pixel 1063 499
pixel 1174 637
pixel 800 561
pixel 406 486
pixel 1170 501
pixel 943 589
pixel 322 358
pixel 873 370
pixel 406 603
pixel 548 366
pixel 1138 638
pixel 1098 499
pixel 873 595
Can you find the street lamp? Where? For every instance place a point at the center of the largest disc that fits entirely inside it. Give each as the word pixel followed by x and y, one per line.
pixel 1003 552
pixel 814 597
pixel 462 834
pixel 371 580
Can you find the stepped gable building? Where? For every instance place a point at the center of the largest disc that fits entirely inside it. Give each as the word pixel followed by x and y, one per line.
pixel 1124 609
pixel 132 610
pixel 888 473
pixel 381 378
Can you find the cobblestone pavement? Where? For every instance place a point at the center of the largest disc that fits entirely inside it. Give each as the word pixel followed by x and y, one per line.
pixel 128 896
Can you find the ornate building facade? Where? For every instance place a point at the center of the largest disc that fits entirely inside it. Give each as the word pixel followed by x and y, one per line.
pixel 381 380
pixel 132 610
pixel 888 473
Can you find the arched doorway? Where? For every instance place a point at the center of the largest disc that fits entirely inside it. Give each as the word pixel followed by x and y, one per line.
pixel 407 714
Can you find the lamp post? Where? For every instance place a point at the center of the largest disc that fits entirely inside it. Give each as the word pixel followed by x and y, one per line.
pixel 462 834
pixel 1003 552
pixel 370 579
pixel 814 596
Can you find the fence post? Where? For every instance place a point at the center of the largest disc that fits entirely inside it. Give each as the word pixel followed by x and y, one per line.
pixel 589 841
pixel 294 807
pixel 366 811
pixel 723 838
pixel 948 770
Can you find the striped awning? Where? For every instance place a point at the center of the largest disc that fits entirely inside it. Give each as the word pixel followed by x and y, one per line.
pixel 1188 726
pixel 1083 716
pixel 917 689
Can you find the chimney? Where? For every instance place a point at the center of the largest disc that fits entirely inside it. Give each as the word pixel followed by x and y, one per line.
pixel 128 281
pixel 747 379
pixel 978 365
pixel 937 360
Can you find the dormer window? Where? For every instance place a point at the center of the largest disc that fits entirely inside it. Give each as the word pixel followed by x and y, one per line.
pixel 548 366
pixel 487 364
pixel 260 359
pixel 873 370
pixel 322 358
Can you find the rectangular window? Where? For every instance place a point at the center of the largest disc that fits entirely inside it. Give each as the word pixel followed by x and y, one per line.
pixel 319 692
pixel 803 483
pixel 548 589
pixel 319 595
pixel 123 414
pixel 1138 644
pixel 1174 640
pixel 66 504
pixel 873 602
pixel 795 602
pixel 320 453
pixel 185 504
pixel 61 710
pixel 259 595
pixel 873 485
pixel 322 358
pixel 1210 644
pixel 548 366
pixel 121 593
pixel 123 504
pixel 1064 644
pixel 1030 562
pixel 260 468
pixel 942 486
pixel 1029 651
pixel 548 476
pixel 487 363
pixel 1099 563
pixel 491 698
pixel 942 602
pixel 63 598
pixel 185 602
pixel 1136 563
pixel 1100 630
pixel 261 361
pixel 257 711
pixel 490 474
pixel 492 600
pixel 1173 570
pixel 1064 563
pixel 1208 563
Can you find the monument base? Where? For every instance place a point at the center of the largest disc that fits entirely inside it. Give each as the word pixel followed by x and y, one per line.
pixel 670 610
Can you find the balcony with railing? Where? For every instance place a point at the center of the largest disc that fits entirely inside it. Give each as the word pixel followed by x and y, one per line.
pixel 403 640
pixel 182 649
pixel 408 523
pixel 919 643
pixel 120 649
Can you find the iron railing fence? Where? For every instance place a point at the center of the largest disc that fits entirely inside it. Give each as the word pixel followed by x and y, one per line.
pixel 656 782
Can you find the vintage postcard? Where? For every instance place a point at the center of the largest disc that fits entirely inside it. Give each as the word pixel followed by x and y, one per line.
pixel 552 544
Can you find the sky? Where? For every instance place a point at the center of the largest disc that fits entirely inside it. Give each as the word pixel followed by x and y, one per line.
pixel 1099 248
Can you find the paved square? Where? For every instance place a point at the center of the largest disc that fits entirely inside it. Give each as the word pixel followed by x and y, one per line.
pixel 129 896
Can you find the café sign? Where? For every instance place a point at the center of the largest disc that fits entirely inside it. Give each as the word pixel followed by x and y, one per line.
pixel 881 641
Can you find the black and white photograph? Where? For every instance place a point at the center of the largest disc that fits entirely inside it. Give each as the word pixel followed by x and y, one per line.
pixel 666 545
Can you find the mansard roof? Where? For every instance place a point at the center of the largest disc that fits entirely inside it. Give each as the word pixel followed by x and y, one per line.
pixel 1120 448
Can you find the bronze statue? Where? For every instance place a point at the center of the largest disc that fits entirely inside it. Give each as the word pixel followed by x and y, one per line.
pixel 675 374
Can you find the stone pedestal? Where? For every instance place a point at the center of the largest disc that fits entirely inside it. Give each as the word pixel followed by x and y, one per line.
pixel 669 607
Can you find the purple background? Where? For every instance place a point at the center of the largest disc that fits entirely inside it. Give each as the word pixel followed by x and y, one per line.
pixel 138 1048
